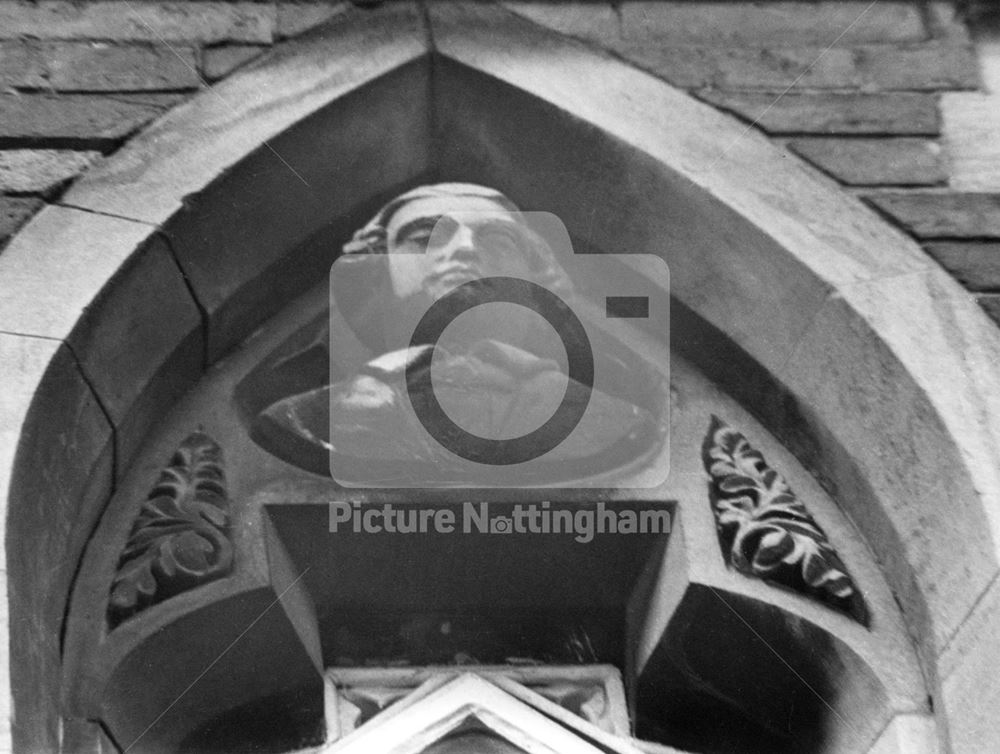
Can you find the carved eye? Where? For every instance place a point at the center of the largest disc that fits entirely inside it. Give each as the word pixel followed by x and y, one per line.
pixel 500 241
pixel 416 240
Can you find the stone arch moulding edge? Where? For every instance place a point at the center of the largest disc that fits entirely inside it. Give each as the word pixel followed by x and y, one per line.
pixel 870 309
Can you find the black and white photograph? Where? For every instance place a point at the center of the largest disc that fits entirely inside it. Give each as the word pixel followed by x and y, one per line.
pixel 500 376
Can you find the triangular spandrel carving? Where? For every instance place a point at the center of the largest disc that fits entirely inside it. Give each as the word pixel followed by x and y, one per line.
pixel 180 537
pixel 720 662
pixel 766 531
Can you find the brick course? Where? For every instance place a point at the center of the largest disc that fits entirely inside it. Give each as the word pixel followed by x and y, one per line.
pixel 141 20
pixel 70 121
pixel 28 65
pixel 974 264
pixel 928 67
pixel 832 113
pixel 41 171
pixel 294 18
pixel 779 23
pixel 863 105
pixel 875 161
pixel 942 214
pixel 219 62
pixel 21 65
pixel 102 67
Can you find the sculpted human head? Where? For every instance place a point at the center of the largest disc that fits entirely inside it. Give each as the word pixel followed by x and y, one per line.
pixel 428 241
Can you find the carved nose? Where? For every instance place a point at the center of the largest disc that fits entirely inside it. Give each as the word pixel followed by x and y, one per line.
pixel 461 243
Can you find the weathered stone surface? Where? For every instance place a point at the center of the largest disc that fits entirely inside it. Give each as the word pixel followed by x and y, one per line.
pixel 729 25
pixel 976 265
pixel 271 199
pixel 689 67
pixel 297 17
pixel 908 734
pixel 141 21
pixel 14 212
pixel 21 65
pixel 102 67
pixel 52 494
pixel 988 52
pixel 160 100
pixel 911 462
pixel 41 171
pixel 596 21
pixel 895 113
pixel 942 214
pixel 971 137
pixel 186 160
pixel 786 23
pixel 619 103
pixel 969 681
pixel 875 162
pixel 140 343
pixel 54 288
pixel 991 305
pixel 927 380
pixel 691 569
pixel 218 62
pixel 70 121
pixel 119 301
pixel 945 20
pixel 925 67
pixel 84 737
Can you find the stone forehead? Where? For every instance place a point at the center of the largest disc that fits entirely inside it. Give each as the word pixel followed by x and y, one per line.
pixel 456 190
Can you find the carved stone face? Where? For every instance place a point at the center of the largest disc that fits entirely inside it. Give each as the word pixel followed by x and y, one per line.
pixel 438 243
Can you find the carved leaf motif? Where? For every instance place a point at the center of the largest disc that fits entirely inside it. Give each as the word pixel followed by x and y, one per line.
pixel 179 538
pixel 766 531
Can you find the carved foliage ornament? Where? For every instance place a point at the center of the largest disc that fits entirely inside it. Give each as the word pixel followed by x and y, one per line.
pixel 180 537
pixel 766 531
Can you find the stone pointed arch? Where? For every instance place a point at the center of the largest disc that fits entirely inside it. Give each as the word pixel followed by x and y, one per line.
pixel 871 364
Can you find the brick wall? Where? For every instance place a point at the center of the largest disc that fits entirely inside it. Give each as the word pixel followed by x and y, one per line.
pixel 886 99
pixel 77 79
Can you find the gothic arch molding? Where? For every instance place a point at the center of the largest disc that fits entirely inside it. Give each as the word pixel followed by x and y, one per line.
pixel 871 364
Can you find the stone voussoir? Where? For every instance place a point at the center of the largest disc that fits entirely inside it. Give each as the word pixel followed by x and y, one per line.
pixel 895 113
pixel 941 214
pixel 875 161
pixel 15 212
